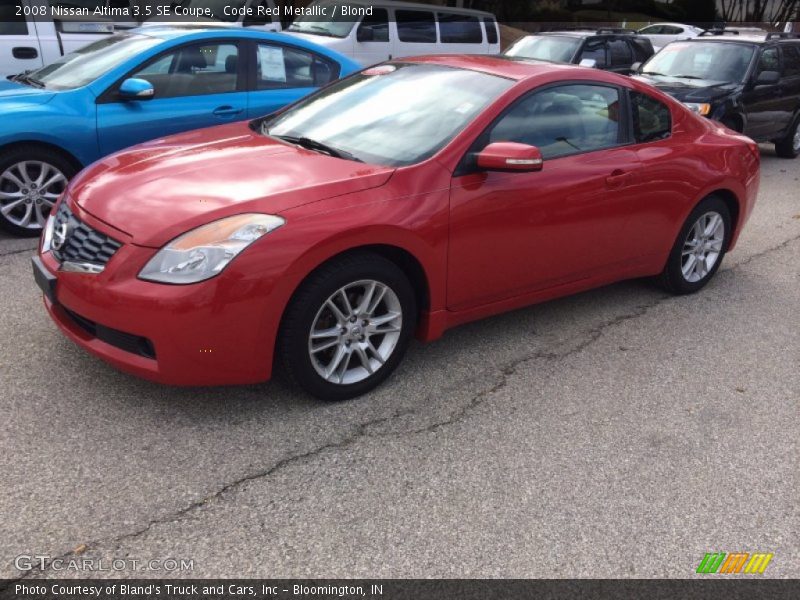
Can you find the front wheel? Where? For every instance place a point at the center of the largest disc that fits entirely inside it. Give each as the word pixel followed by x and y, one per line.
pixel 348 327
pixel 789 146
pixel 31 180
pixel 698 251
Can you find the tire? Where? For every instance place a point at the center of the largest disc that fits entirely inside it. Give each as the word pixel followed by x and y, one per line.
pixel 681 275
pixel 311 363
pixel 31 180
pixel 789 146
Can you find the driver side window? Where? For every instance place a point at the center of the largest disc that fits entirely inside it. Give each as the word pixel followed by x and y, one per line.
pixel 769 61
pixel 194 71
pixel 562 120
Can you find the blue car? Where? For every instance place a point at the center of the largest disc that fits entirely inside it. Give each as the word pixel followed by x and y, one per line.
pixel 136 86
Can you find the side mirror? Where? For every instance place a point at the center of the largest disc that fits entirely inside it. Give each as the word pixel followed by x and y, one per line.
pixel 768 78
pixel 365 34
pixel 589 63
pixel 635 67
pixel 510 156
pixel 136 89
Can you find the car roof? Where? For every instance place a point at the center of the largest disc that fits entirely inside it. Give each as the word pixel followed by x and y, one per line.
pixel 586 33
pixel 502 66
pixel 674 24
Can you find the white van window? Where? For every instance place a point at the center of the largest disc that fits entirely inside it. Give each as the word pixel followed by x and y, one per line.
pixel 10 23
pixel 416 26
pixel 491 30
pixel 337 26
pixel 459 29
pixel 374 27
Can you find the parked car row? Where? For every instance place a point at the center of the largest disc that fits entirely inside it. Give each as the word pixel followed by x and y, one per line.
pixel 317 230
pixel 746 79
pixel 135 86
pixel 402 200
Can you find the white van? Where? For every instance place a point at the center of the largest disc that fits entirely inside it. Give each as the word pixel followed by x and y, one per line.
pixel 372 31
pixel 30 38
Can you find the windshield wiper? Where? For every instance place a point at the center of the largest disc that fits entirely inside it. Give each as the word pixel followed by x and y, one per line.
pixel 317 147
pixel 566 141
pixel 654 73
pixel 685 76
pixel 26 78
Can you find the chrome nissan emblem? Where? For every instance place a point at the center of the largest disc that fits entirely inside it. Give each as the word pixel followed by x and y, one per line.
pixel 59 236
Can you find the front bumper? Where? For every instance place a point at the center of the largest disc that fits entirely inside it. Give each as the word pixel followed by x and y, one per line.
pixel 217 332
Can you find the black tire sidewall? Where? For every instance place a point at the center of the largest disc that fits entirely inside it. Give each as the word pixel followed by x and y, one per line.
pixel 293 337
pixel 784 148
pixel 673 273
pixel 21 154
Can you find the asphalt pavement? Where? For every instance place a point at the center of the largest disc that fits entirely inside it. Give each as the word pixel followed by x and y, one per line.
pixel 621 432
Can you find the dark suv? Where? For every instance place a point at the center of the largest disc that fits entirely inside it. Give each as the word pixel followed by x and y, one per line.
pixel 751 83
pixel 608 49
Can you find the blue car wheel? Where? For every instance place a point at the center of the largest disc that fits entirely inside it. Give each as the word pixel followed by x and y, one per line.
pixel 31 180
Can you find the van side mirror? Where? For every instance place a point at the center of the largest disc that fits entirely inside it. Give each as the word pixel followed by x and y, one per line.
pixel 136 89
pixel 365 34
pixel 510 156
pixel 589 63
pixel 768 78
pixel 635 67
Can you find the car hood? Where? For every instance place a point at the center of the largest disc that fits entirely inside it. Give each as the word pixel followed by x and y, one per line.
pixel 16 92
pixel 159 190
pixel 691 90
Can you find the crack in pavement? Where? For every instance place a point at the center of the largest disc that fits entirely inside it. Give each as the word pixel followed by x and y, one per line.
pixel 362 430
pixel 13 252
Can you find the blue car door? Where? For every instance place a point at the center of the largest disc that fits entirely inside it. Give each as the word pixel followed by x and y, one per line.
pixel 282 74
pixel 196 85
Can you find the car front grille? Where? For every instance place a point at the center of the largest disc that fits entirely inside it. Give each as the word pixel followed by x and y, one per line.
pixel 80 243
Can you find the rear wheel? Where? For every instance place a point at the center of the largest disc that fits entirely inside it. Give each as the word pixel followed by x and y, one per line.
pixel 699 249
pixel 347 327
pixel 31 180
pixel 789 146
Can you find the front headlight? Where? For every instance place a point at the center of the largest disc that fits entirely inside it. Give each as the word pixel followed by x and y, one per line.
pixel 204 252
pixel 47 235
pixel 701 109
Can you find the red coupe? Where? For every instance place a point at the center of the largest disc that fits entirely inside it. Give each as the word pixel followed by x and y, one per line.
pixel 406 199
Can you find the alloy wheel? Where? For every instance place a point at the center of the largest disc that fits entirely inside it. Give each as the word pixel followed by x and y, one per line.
pixel 703 246
pixel 28 191
pixel 796 139
pixel 355 332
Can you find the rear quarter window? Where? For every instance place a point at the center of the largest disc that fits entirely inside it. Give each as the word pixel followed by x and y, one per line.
pixel 652 119
pixel 491 30
pixel 791 61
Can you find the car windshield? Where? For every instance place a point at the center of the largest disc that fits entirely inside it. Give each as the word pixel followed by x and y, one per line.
pixel 334 24
pixel 90 62
pixel 394 115
pixel 709 61
pixel 552 48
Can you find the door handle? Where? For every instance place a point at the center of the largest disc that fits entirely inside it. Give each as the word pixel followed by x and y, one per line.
pixel 617 179
pixel 24 53
pixel 227 111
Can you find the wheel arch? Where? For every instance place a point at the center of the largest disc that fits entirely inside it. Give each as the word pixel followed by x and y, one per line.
pixel 45 146
pixel 401 256
pixel 733 205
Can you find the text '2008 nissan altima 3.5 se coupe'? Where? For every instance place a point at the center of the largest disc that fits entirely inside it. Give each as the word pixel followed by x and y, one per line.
pixel 405 199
